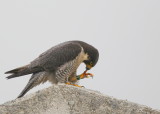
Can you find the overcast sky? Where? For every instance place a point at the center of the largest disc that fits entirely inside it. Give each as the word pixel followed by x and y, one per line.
pixel 126 33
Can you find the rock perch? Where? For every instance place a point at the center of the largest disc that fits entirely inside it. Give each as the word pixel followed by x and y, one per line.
pixel 66 99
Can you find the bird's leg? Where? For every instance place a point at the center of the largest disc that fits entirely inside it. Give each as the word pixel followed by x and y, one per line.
pixel 85 75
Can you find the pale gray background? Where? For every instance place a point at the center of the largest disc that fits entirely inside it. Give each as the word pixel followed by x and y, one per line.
pixel 126 32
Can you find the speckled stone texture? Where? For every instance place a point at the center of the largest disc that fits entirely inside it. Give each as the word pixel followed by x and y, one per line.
pixel 66 99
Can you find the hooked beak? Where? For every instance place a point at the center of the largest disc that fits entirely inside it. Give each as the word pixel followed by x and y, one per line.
pixel 88 67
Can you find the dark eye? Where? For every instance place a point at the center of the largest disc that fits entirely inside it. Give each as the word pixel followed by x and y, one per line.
pixel 91 63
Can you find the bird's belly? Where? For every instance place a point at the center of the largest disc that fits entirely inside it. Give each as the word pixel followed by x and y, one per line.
pixel 51 77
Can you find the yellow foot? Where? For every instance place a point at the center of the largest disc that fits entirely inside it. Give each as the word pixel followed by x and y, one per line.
pixel 74 84
pixel 86 75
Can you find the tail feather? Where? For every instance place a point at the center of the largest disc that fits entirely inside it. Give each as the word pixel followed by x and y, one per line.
pixel 24 70
pixel 17 70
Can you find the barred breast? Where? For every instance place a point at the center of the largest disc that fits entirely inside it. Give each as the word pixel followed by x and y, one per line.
pixel 65 71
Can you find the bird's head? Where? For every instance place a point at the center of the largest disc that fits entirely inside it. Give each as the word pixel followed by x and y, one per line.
pixel 92 52
pixel 93 56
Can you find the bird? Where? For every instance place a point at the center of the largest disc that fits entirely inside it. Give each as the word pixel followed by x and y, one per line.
pixel 58 64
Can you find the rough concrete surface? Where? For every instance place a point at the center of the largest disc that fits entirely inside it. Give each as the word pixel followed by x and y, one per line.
pixel 65 99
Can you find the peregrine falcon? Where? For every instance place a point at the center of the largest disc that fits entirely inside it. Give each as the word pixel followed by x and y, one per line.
pixel 58 65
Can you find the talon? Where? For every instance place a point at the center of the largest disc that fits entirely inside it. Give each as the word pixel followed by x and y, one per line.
pixel 82 87
pixel 88 75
